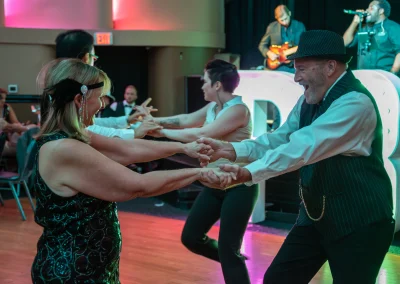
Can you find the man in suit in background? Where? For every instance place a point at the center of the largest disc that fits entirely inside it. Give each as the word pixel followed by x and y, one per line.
pixel 283 30
pixel 126 106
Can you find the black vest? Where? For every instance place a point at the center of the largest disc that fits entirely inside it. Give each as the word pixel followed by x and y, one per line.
pixel 120 110
pixel 357 189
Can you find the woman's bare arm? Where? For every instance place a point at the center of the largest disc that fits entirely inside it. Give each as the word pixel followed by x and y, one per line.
pixel 13 116
pixel 127 152
pixel 80 168
pixel 234 118
pixel 194 119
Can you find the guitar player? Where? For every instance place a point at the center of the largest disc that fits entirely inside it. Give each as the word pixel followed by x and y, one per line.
pixel 284 30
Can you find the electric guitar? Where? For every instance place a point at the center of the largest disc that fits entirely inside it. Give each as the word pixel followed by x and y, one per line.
pixel 283 51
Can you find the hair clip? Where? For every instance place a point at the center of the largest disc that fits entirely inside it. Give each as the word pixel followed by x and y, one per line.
pixel 84 89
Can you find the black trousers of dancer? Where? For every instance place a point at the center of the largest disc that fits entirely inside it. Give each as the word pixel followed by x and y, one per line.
pixel 234 207
pixel 355 258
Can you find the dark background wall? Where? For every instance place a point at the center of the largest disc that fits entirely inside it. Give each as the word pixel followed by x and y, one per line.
pixel 247 20
pixel 125 65
pixel 245 24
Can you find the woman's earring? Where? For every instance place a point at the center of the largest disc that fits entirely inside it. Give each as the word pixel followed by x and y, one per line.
pixel 80 114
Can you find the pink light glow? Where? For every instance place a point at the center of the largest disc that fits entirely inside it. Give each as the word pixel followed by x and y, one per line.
pixel 143 15
pixel 50 14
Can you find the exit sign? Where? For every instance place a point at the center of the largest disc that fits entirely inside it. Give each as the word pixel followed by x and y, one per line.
pixel 103 38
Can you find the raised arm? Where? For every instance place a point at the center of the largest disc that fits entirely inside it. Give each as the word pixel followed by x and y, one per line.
pixel 234 118
pixel 80 168
pixel 194 119
pixel 348 36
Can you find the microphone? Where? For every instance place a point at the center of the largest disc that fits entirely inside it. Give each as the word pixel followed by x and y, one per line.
pixel 351 12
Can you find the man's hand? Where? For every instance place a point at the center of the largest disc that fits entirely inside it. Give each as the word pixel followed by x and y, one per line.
pixel 142 111
pixel 214 177
pixel 156 133
pixel 242 175
pixel 271 55
pixel 198 150
pixel 147 125
pixel 221 150
pixel 357 18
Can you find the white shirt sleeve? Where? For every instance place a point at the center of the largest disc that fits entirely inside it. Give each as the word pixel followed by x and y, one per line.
pixel 346 128
pixel 113 106
pixel 125 134
pixel 113 122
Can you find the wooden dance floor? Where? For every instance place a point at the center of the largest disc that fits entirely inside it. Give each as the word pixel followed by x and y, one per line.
pixel 152 252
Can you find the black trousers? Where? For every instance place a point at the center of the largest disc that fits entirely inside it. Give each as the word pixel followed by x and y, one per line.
pixel 234 208
pixel 353 259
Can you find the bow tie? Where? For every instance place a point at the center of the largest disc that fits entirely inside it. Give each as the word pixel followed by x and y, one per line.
pixel 128 106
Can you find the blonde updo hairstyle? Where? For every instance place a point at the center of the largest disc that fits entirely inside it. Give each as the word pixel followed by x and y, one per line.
pixel 58 110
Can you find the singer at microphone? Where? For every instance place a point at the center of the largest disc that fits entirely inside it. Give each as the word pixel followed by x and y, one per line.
pixel 376 37
pixel 351 12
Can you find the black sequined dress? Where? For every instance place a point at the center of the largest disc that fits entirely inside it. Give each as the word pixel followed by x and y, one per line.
pixel 81 240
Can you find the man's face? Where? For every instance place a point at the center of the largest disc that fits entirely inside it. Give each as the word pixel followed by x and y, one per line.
pixel 283 18
pixel 373 12
pixel 130 95
pixel 210 93
pixel 311 74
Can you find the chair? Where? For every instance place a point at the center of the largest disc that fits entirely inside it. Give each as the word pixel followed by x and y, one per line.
pixel 3 139
pixel 26 153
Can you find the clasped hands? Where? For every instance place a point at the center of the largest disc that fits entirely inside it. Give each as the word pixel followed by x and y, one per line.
pixel 226 175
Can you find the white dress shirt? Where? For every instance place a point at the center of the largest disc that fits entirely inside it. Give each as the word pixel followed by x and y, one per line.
pixel 346 128
pixel 128 110
pixel 119 122
pixel 125 134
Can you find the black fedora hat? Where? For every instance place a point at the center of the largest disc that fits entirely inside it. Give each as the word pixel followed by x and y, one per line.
pixel 321 44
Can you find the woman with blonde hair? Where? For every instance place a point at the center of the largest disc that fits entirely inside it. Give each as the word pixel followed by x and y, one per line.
pixel 77 187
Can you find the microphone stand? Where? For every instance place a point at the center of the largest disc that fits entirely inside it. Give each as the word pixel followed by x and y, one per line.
pixel 359 43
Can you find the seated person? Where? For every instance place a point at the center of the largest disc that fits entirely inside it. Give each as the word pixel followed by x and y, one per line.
pixel 10 125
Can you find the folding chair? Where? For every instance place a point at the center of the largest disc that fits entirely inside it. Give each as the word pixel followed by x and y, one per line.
pixel 26 152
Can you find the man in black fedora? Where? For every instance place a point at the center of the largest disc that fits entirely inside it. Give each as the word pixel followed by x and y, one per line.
pixel 334 136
